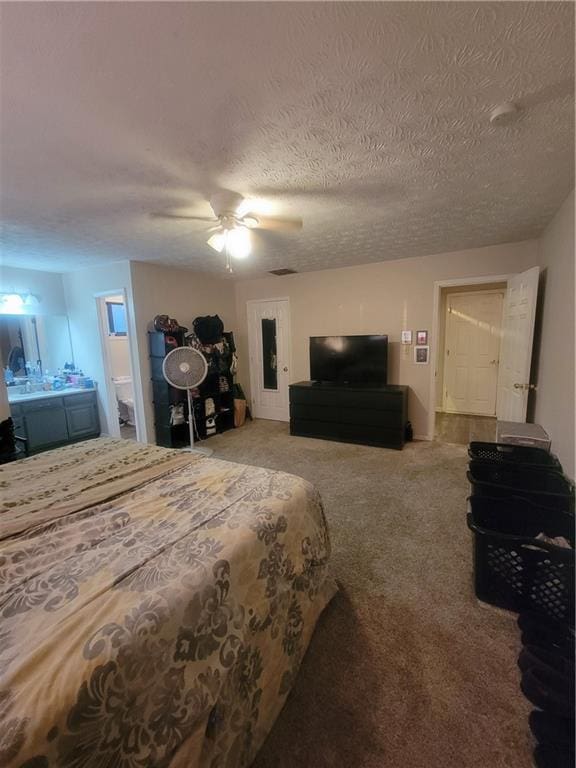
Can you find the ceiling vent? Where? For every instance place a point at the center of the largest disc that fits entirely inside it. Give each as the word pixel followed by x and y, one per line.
pixel 281 272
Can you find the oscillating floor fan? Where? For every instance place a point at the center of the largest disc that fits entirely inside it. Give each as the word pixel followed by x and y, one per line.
pixel 185 368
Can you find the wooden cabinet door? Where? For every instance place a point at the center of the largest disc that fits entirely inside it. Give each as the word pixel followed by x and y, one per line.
pixel 82 419
pixel 45 426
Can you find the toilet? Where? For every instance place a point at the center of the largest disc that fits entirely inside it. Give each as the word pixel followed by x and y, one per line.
pixel 124 398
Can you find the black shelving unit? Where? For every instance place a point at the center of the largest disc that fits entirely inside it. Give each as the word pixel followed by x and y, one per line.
pixel 164 395
pixel 211 388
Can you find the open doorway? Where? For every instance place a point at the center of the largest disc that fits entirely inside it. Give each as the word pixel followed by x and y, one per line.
pixel 467 361
pixel 115 336
pixel 461 398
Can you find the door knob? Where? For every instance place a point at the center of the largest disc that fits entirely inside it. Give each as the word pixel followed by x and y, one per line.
pixel 518 386
pixel 285 369
pixel 525 386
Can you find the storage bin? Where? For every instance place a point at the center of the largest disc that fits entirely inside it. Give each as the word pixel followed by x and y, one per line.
pixel 515 570
pixel 522 434
pixel 517 455
pixel 548 488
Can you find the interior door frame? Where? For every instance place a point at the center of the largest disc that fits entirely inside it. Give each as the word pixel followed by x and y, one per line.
pixel 434 341
pixel 253 373
pixel 114 427
pixel 479 291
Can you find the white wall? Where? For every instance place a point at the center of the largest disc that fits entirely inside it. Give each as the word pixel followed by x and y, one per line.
pixel 386 297
pixel 81 289
pixel 554 400
pixel 181 294
pixel 119 355
pixel 48 286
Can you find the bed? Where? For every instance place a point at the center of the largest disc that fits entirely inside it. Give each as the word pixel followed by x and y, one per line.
pixel 155 605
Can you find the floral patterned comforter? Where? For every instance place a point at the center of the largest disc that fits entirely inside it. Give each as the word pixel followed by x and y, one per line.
pixel 160 624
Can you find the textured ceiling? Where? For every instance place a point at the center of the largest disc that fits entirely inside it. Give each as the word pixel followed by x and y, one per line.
pixel 368 120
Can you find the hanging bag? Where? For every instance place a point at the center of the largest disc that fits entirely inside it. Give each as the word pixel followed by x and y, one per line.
pixel 209 329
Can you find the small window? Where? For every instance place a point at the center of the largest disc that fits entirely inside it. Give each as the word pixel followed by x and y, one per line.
pixel 116 319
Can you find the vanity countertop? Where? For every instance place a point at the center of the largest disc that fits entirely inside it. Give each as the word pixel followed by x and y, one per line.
pixel 27 397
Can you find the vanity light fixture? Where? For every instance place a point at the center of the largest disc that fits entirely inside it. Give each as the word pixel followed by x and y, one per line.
pixel 12 303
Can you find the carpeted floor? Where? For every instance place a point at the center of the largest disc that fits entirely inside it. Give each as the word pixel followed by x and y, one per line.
pixel 405 669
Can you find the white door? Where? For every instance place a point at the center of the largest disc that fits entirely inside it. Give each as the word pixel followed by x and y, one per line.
pixel 471 352
pixel 516 353
pixel 269 349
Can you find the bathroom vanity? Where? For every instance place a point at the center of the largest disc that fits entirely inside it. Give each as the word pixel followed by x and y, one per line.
pixel 35 351
pixel 54 418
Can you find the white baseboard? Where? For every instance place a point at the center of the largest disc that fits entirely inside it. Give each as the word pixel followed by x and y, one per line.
pixel 428 438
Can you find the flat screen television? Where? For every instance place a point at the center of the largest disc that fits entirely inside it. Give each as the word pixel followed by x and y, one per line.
pixel 349 359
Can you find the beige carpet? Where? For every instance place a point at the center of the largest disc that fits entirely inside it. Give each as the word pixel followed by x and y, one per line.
pixel 406 669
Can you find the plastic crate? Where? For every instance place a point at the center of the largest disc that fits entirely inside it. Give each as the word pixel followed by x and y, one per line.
pixel 517 455
pixel 515 570
pixel 548 488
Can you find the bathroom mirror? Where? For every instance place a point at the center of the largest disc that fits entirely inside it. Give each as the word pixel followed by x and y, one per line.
pixel 40 340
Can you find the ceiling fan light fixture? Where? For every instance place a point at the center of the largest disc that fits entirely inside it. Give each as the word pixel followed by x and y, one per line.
pixel 235 242
pixel 238 242
pixel 217 241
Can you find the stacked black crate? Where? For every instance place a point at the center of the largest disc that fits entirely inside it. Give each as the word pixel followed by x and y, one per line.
pixel 169 403
pixel 522 517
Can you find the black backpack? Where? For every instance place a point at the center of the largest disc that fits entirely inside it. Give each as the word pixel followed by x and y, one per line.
pixel 209 329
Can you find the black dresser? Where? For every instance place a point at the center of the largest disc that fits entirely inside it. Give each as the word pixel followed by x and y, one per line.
pixel 350 414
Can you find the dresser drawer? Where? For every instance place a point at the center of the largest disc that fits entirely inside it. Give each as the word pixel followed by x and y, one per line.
pixel 310 396
pixel 374 401
pixel 314 412
pixel 310 428
pixel 388 419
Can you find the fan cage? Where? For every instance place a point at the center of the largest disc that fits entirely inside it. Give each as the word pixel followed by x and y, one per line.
pixel 185 368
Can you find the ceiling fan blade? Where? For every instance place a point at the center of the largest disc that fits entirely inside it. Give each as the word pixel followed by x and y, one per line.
pixel 276 223
pixel 211 219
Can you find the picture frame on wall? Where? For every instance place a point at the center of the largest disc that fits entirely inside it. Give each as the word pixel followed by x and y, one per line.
pixel 406 337
pixel 422 338
pixel 421 355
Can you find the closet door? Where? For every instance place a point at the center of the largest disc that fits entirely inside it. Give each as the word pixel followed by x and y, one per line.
pixel 473 329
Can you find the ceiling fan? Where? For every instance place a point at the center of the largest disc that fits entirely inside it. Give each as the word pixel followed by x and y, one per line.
pixel 232 221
